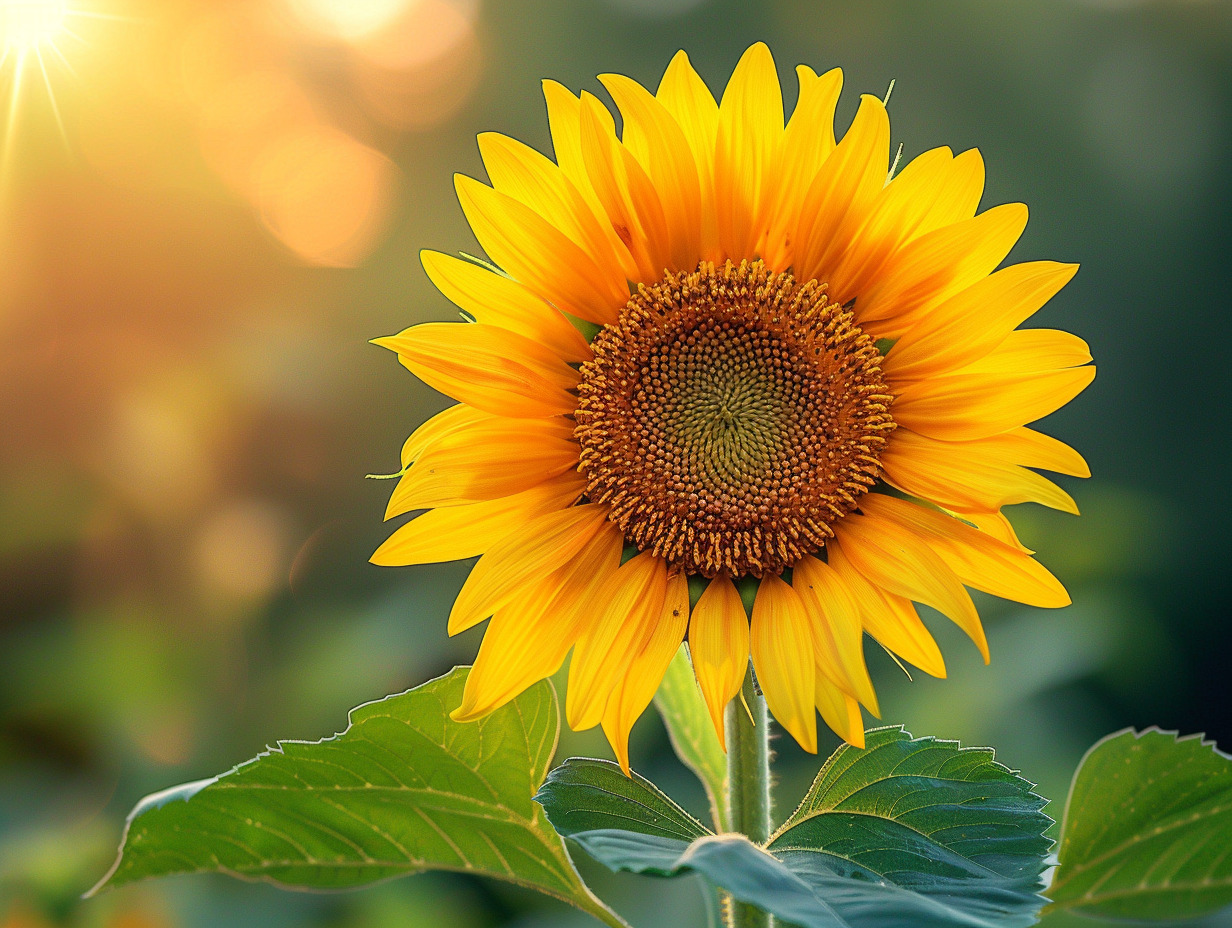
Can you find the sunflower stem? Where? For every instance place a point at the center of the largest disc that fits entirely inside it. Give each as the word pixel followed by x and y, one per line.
pixel 747 727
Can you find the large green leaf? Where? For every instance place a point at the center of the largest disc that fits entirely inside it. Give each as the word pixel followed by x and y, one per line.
pixel 907 832
pixel 693 737
pixel 1147 832
pixel 403 789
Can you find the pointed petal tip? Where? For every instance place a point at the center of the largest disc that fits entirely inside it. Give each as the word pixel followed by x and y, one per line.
pixel 716 717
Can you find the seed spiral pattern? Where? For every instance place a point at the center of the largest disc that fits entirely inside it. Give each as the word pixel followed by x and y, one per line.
pixel 729 417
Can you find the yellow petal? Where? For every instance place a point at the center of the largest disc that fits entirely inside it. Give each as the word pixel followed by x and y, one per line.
pixel 1035 449
pixel 492 369
pixel 936 266
pixel 491 458
pixel 629 199
pixel 565 122
pixel 584 576
pixel 889 618
pixel 781 643
pixel 493 299
pixel 839 634
pixel 530 178
pixel 807 142
pixel 535 549
pixel 961 407
pixel 637 688
pixel 979 560
pixel 965 475
pixel 972 323
pixel 451 419
pixel 457 532
pixel 629 606
pixel 533 251
pixel 898 561
pixel 957 193
pixel 843 191
pixel 523 644
pixel 688 99
pixel 840 711
pixel 660 146
pixel 893 219
pixel 746 151
pixel 995 524
pixel 1030 351
pixel 719 647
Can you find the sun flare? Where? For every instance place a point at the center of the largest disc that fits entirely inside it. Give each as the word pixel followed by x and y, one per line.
pixel 28 25
pixel 29 33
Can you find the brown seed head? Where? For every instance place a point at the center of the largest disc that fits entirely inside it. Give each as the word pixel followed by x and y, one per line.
pixel 729 417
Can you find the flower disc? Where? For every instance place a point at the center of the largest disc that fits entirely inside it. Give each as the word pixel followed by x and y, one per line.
pixel 729 417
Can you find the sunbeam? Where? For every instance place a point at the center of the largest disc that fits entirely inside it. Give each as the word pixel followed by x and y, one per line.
pixel 32 36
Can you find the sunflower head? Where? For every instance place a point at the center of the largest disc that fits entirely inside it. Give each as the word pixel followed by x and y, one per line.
pixel 794 370
pixel 728 417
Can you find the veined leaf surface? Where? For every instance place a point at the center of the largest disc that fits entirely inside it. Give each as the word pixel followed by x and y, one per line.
pixel 907 832
pixel 403 789
pixel 1147 832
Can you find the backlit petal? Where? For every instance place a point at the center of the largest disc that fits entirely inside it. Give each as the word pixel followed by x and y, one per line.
pixel 746 151
pixel 686 96
pixel 719 647
pixel 896 560
pixel 524 643
pixel 781 644
pixel 889 618
pixel 451 419
pixel 490 368
pixel 1030 351
pixel 936 266
pixel 843 191
pixel 493 299
pixel 972 323
pixel 1035 449
pixel 962 407
pixel 839 634
pixel 629 200
pixel 629 606
pixel 537 547
pixel 660 146
pixel 807 141
pixel 965 474
pixel 840 711
pixel 456 532
pixel 979 560
pixel 637 688
pixel 491 458
pixel 533 251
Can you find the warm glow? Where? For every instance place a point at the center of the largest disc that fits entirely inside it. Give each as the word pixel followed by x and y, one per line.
pixel 27 25
pixel 352 19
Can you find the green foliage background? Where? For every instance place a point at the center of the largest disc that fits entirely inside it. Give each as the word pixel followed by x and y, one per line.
pixel 176 383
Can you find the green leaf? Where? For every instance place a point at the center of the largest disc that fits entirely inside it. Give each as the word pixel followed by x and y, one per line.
pixel 403 789
pixel 692 734
pixel 907 833
pixel 1147 832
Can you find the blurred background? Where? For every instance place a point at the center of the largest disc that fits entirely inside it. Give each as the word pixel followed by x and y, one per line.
pixel 207 207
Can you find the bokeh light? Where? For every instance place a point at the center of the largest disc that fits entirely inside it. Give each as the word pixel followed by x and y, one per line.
pixel 351 19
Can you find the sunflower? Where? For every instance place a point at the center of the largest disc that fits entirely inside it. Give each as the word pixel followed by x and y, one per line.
pixel 721 361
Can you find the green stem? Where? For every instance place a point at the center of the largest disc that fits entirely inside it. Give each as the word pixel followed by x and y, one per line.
pixel 748 786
